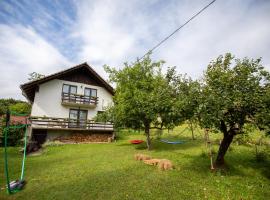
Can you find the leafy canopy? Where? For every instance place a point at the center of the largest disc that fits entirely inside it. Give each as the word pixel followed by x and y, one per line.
pixel 142 94
pixel 232 96
pixel 15 106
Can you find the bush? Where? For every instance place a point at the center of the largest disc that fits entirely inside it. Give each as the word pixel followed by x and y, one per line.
pixel 15 136
pixel 242 139
pixel 261 153
pixel 261 156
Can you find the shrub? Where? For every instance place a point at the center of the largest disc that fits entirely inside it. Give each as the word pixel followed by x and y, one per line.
pixel 242 139
pixel 15 136
pixel 261 156
pixel 261 153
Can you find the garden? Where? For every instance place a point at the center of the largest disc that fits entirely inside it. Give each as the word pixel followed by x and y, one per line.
pixel 109 171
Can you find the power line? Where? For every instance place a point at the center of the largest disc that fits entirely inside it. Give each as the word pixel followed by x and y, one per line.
pixel 166 38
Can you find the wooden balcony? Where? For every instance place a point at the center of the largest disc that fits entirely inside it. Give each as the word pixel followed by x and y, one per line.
pixel 81 100
pixel 69 124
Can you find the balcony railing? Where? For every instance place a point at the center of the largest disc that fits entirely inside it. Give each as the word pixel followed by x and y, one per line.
pixel 82 100
pixel 71 124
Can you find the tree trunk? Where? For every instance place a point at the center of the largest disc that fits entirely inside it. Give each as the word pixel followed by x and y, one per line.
pixel 191 128
pixel 225 143
pixel 147 133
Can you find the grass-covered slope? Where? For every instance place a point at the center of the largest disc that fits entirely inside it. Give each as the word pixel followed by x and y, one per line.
pixel 109 171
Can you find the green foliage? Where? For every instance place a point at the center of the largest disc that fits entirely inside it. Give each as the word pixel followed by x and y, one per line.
pixel 35 76
pixel 5 103
pixel 261 156
pixel 186 99
pixel 15 106
pixel 106 116
pixel 243 138
pixel 187 93
pixel 21 108
pixel 262 153
pixel 15 136
pixel 143 96
pixel 139 96
pixel 232 95
pixel 263 114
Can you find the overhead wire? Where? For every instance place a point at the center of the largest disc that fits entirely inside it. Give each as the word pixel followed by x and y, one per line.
pixel 176 30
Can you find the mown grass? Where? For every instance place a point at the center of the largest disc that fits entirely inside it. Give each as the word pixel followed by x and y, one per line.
pixel 108 171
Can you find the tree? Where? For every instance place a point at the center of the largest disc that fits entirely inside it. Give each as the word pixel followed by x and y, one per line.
pixel 105 116
pixel 263 115
pixel 186 93
pixel 35 76
pixel 14 105
pixel 18 106
pixel 231 97
pixel 21 107
pixel 143 98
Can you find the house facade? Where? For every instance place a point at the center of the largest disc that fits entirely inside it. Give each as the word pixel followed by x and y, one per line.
pixel 66 103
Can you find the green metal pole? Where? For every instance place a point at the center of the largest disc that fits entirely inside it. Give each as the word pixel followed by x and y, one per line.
pixel 6 129
pixel 24 152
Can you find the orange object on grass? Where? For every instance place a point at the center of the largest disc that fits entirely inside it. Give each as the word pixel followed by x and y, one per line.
pixel 136 141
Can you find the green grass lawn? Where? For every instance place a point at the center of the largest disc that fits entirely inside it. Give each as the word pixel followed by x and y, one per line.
pixel 109 171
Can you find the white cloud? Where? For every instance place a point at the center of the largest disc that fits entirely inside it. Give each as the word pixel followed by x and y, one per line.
pixel 105 40
pixel 23 51
pixel 230 26
pixel 117 31
pixel 113 32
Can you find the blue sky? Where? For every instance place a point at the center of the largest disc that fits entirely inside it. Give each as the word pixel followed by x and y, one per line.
pixel 50 35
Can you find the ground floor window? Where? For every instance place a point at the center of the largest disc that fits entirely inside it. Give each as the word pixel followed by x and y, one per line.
pixel 77 118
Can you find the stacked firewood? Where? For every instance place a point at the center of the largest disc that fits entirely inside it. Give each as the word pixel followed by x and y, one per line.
pixel 84 138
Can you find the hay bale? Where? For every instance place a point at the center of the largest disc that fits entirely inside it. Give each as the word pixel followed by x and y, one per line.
pixel 141 157
pixel 152 161
pixel 165 164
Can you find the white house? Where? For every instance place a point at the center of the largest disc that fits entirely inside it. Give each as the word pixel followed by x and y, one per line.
pixel 66 102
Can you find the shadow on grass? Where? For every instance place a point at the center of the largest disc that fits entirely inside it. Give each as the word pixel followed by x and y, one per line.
pixel 235 165
pixel 188 143
pixel 157 145
pixel 263 166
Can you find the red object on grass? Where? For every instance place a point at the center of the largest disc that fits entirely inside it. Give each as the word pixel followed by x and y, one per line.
pixel 136 141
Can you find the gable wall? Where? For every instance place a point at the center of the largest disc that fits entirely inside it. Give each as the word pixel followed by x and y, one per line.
pixel 47 100
pixel 81 76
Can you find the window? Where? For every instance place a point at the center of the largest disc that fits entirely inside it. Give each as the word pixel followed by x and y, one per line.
pixel 77 118
pixel 90 92
pixel 69 89
pixel 93 93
